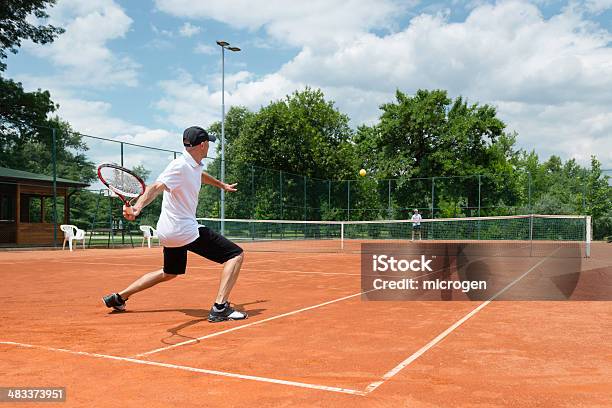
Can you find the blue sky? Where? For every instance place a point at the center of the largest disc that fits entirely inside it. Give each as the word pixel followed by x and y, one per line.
pixel 141 71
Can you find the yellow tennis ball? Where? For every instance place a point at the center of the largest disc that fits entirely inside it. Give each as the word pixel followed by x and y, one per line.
pixel 362 172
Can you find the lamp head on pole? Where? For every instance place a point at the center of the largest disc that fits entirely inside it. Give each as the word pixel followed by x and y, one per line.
pixel 222 43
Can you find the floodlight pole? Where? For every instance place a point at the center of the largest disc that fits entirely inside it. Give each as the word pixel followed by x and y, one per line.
pixel 223 45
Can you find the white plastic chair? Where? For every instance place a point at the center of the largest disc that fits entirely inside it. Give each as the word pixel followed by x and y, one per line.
pixel 148 233
pixel 71 232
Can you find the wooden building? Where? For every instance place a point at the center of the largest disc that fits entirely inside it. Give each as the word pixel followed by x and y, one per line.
pixel 26 202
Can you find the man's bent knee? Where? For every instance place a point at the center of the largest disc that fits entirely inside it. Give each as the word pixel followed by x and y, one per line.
pixel 168 276
pixel 238 258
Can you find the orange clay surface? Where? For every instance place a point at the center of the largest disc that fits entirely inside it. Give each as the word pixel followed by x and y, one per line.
pixel 310 339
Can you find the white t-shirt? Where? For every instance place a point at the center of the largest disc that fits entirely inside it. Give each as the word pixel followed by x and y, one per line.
pixel 177 225
pixel 416 218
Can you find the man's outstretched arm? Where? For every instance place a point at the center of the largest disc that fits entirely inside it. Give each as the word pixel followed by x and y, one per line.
pixel 208 179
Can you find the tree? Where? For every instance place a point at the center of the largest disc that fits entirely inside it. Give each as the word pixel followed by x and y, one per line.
pixel 26 118
pixel 209 199
pixel 291 146
pixel 15 27
pixel 29 147
pixel 557 187
pixel 599 200
pixel 302 134
pixel 142 172
pixel 430 135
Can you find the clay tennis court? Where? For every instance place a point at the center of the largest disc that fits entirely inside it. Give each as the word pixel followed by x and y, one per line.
pixel 310 340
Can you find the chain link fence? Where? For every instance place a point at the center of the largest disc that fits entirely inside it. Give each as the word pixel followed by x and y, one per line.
pixel 263 193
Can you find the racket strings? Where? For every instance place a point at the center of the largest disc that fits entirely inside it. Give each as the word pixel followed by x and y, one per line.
pixel 122 182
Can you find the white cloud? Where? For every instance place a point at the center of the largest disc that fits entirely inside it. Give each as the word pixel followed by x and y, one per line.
pixel 95 118
pixel 598 6
pixel 189 30
pixel 188 102
pixel 504 52
pixel 159 44
pixel 81 54
pixel 573 129
pixel 316 22
pixel 162 32
pixel 558 71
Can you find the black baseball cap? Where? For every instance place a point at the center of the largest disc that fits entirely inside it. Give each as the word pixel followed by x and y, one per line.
pixel 194 135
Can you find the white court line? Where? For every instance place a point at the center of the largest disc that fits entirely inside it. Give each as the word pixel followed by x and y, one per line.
pixel 445 333
pixel 244 326
pixel 193 369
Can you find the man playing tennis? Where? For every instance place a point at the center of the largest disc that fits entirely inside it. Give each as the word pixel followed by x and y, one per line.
pixel 178 229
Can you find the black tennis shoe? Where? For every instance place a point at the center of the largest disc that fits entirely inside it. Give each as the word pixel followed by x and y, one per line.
pixel 227 313
pixel 115 301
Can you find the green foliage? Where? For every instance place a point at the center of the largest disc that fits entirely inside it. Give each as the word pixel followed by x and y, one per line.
pixel 599 200
pixel 209 199
pixel 29 147
pixel 303 134
pixel 430 135
pixel 294 159
pixel 15 25
pixel 142 172
pixel 20 110
pixel 556 188
pixel 288 147
pixel 26 122
pixel 598 193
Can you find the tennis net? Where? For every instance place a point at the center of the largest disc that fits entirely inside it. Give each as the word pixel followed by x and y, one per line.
pixel 337 236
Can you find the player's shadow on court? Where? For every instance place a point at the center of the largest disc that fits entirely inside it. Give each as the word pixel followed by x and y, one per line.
pixel 201 315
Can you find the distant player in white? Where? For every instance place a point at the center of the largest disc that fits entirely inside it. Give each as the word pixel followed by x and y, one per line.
pixel 178 229
pixel 416 223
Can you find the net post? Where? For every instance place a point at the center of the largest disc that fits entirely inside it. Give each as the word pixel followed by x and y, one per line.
pixel 342 235
pixel 588 237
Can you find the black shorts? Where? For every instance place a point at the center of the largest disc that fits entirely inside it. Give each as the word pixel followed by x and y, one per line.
pixel 416 227
pixel 209 244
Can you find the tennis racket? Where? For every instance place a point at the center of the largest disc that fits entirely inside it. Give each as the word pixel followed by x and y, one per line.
pixel 123 182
